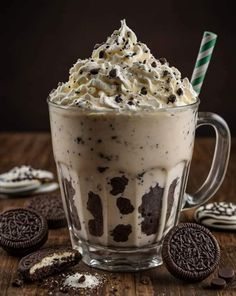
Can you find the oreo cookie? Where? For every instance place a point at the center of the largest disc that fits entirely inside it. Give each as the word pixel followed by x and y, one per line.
pixel 45 262
pixel 22 231
pixel 51 207
pixel 218 215
pixel 24 179
pixel 190 252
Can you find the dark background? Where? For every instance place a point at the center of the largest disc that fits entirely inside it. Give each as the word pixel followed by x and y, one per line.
pixel 40 40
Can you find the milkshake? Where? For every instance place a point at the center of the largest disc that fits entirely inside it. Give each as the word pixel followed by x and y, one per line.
pixel 123 130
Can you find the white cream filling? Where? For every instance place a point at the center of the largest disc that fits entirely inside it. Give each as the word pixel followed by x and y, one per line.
pixel 47 261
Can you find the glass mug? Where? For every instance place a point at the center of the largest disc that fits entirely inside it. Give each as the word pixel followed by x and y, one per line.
pixel 123 178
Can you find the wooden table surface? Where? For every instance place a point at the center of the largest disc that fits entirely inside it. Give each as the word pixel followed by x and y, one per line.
pixel 35 149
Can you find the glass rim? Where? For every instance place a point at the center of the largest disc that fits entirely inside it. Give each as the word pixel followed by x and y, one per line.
pixel 115 111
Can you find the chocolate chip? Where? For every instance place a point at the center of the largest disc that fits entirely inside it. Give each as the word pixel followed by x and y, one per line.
pixel 171 99
pixel 118 185
pixel 121 232
pixel 162 61
pixel 81 279
pixel 154 64
pixel 143 91
pixel 118 99
pixel 179 91
pixel 226 273
pixel 102 169
pixel 101 54
pixel 124 205
pixel 94 71
pixel 218 283
pixel 113 73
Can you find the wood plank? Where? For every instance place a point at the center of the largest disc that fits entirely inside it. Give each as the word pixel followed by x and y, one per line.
pixel 35 149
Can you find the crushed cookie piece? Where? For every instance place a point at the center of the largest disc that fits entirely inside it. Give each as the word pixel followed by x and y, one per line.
pixel 162 61
pixel 94 71
pixel 143 91
pixel 179 92
pixel 118 99
pixel 154 64
pixel 101 54
pixel 171 99
pixel 113 73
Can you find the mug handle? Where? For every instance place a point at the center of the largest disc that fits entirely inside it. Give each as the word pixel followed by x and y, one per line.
pixel 219 163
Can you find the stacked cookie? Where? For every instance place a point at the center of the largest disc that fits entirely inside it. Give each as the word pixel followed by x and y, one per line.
pixel 24 230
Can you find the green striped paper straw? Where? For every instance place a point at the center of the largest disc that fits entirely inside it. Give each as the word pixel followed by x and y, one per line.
pixel 203 60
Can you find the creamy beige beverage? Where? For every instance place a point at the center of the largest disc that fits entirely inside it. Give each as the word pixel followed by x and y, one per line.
pixel 123 173
pixel 121 146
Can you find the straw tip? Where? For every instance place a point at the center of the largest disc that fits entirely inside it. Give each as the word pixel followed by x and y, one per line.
pixel 208 33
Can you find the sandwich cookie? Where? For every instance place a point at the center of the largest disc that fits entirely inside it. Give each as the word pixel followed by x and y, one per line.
pixel 45 262
pixel 23 180
pixel 219 215
pixel 190 252
pixel 22 231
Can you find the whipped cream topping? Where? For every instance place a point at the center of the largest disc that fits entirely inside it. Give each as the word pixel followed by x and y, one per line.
pixel 122 74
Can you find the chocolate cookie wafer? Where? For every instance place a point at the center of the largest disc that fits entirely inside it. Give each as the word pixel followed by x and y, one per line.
pixel 219 215
pixel 45 262
pixel 22 231
pixel 51 207
pixel 190 252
